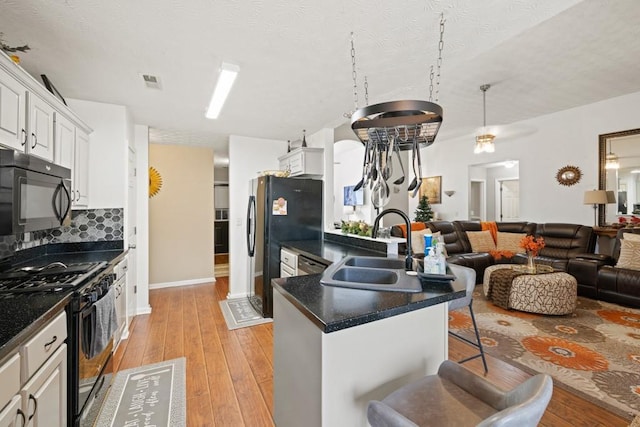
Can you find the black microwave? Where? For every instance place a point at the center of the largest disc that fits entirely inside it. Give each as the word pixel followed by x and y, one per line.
pixel 34 194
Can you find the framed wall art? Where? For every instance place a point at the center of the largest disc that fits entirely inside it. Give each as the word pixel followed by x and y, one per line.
pixel 432 188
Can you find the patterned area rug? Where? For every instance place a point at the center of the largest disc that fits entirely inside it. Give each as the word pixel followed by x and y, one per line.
pixel 594 353
pixel 238 313
pixel 150 395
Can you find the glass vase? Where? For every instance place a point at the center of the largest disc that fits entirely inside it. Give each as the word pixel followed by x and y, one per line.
pixel 531 266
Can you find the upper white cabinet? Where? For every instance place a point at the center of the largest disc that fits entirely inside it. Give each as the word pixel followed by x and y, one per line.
pixel 81 169
pixel 41 123
pixel 34 121
pixel 303 161
pixel 13 128
pixel 72 151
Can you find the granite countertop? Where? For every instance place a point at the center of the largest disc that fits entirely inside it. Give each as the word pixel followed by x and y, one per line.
pixel 326 252
pixel 334 308
pixel 24 314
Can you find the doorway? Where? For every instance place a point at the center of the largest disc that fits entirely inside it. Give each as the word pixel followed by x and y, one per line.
pixel 508 200
pixel 477 204
pixel 494 191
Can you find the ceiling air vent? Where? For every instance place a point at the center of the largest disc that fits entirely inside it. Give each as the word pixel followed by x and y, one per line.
pixel 151 81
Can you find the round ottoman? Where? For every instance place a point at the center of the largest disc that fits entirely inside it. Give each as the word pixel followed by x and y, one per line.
pixel 547 293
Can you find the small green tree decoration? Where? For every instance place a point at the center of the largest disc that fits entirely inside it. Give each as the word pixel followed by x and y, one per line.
pixel 424 213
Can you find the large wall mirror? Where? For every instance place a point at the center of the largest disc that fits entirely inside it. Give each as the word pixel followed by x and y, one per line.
pixel 624 180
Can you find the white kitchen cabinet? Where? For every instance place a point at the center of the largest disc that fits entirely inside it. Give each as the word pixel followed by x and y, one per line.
pixel 43 375
pixel 72 151
pixel 120 287
pixel 288 263
pixel 12 415
pixel 30 115
pixel 13 128
pixel 44 396
pixel 9 393
pixel 41 124
pixel 303 161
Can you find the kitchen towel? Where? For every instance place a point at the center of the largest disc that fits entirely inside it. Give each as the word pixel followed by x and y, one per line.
pixel 106 322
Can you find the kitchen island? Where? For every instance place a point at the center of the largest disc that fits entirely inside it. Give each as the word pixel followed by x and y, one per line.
pixel 335 349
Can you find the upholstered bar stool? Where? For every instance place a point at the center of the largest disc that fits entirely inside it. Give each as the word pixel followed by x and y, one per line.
pixel 457 397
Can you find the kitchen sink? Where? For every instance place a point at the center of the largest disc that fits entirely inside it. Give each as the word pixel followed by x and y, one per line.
pixel 371 273
pixel 366 275
pixel 375 262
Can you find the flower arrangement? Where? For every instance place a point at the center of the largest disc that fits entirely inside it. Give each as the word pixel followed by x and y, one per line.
pixel 360 228
pixel 532 245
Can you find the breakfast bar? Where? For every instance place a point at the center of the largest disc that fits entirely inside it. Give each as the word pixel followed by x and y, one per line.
pixel 335 348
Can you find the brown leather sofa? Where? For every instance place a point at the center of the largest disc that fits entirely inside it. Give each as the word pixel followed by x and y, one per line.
pixel 599 278
pixel 562 242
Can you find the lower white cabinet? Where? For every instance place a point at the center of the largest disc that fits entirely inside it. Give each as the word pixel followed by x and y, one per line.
pixel 120 287
pixel 44 396
pixel 12 415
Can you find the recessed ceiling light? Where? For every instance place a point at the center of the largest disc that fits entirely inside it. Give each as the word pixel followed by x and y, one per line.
pixel 228 74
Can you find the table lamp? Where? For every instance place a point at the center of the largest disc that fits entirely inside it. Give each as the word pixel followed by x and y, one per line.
pixel 596 197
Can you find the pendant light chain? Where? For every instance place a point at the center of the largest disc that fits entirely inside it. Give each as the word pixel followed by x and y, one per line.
pixel 438 64
pixel 366 91
pixel 440 47
pixel 353 74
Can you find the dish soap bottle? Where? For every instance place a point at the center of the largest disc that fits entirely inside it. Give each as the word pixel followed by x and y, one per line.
pixel 440 262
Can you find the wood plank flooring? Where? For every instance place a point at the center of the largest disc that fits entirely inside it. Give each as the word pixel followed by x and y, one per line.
pixel 230 373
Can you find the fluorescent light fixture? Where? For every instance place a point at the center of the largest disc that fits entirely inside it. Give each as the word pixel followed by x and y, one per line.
pixel 635 171
pixel 228 74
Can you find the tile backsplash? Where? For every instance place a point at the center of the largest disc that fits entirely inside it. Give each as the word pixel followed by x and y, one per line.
pixel 86 226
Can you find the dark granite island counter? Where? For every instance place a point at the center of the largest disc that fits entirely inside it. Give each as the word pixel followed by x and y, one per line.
pixel 337 348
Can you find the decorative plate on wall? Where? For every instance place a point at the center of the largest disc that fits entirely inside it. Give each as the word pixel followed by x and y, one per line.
pixel 155 182
pixel 569 175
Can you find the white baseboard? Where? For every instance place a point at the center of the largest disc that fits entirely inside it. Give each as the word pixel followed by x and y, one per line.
pixel 143 310
pixel 181 283
pixel 234 296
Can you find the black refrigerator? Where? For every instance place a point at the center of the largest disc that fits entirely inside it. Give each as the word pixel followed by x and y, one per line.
pixel 279 210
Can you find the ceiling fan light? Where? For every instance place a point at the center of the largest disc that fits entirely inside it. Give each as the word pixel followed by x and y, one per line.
pixel 484 141
pixel 484 144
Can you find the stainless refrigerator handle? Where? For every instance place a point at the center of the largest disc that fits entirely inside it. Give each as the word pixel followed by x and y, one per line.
pixel 251 243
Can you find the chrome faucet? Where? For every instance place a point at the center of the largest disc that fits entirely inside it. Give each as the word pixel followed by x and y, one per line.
pixel 408 261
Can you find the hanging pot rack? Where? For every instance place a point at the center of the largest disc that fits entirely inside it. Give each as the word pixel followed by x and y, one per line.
pixel 408 121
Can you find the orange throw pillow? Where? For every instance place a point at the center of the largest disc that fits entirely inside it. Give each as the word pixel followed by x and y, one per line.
pixel 415 226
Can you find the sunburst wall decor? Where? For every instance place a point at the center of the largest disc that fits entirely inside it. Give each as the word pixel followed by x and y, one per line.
pixel 155 182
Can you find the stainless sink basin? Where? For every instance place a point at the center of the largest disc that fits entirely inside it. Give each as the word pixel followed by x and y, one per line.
pixel 366 275
pixel 374 262
pixel 371 273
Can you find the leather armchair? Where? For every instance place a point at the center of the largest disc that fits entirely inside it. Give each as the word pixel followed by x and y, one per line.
pixel 619 285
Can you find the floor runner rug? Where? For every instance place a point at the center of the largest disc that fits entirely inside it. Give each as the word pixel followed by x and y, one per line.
pixel 239 313
pixel 151 395
pixel 594 352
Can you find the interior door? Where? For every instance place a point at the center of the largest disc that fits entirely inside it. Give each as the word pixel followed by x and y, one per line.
pixel 131 284
pixel 509 200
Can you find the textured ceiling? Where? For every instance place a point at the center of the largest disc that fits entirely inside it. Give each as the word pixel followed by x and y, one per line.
pixel 295 68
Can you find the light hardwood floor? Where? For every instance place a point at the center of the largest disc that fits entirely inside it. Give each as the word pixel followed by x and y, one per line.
pixel 230 373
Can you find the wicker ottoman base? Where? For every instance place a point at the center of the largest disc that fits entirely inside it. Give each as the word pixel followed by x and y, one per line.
pixel 549 293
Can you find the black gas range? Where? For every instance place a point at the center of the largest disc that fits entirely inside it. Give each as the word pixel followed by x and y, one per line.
pixel 89 358
pixel 52 277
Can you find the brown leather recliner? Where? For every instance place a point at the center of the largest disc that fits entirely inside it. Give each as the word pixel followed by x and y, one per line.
pixel 562 242
pixel 599 278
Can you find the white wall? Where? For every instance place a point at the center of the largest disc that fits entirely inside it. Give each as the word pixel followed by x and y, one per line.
pixel 108 171
pixel 247 157
pixel 544 145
